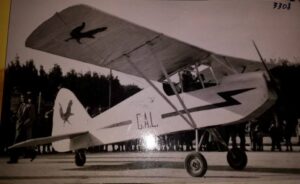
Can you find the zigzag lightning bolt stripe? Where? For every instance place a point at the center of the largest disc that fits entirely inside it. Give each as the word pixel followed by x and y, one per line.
pixel 227 95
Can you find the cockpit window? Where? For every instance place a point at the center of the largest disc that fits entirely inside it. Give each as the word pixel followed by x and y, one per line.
pixel 191 79
pixel 208 77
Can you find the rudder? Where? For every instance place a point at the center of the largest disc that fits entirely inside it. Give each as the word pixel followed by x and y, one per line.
pixel 69 117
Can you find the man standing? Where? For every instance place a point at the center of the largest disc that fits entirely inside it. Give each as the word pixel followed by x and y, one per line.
pixel 26 116
pixel 14 154
pixel 29 117
pixel 275 134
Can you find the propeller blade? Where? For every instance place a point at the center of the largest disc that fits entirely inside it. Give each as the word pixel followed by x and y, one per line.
pixel 272 78
pixel 262 60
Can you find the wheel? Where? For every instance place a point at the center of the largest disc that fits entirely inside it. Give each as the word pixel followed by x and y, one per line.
pixel 80 158
pixel 195 164
pixel 237 159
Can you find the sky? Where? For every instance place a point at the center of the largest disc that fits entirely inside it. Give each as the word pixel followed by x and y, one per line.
pixel 224 27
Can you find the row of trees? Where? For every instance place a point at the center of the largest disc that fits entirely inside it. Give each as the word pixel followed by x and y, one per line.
pixel 92 89
pixel 287 78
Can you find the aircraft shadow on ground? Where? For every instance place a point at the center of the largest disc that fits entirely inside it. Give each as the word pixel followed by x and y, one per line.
pixel 104 166
pixel 131 166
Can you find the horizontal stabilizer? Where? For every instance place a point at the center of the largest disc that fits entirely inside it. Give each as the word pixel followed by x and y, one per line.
pixel 46 140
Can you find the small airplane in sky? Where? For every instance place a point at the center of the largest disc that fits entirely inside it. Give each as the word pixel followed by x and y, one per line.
pixel 212 90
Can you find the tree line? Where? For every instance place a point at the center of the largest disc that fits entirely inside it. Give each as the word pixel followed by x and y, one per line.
pixel 91 88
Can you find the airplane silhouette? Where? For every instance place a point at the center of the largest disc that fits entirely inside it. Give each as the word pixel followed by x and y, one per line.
pixel 77 33
pixel 65 116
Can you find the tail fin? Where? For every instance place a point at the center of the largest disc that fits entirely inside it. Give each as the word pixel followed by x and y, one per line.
pixel 69 117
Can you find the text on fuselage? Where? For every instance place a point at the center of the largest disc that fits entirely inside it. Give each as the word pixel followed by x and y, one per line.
pixel 144 120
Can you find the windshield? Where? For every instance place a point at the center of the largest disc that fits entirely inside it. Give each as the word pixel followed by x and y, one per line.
pixel 190 79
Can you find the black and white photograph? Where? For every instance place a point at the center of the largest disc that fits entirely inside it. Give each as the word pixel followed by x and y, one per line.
pixel 151 91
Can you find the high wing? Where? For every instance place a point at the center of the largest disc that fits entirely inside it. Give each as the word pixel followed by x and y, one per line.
pixel 121 40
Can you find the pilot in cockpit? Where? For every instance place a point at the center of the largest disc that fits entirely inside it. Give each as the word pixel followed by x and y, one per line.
pixel 187 80
pixel 191 82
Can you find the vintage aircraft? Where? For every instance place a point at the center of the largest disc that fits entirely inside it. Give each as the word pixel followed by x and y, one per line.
pixel 225 90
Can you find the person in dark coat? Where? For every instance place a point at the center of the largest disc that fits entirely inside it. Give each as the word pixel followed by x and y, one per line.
pixel 290 126
pixel 14 154
pixel 26 117
pixel 276 134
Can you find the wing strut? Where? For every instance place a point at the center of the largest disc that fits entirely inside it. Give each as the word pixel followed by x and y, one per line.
pixel 156 89
pixel 163 69
pixel 191 122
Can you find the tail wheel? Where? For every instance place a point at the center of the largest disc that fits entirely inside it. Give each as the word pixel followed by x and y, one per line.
pixel 237 159
pixel 196 164
pixel 80 158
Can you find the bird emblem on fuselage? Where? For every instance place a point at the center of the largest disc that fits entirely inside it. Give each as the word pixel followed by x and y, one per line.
pixel 66 115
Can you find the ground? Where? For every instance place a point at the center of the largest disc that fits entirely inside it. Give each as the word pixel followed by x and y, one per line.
pixel 151 167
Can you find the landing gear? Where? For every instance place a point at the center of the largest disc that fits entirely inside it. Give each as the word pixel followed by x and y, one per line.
pixel 237 159
pixel 80 158
pixel 196 164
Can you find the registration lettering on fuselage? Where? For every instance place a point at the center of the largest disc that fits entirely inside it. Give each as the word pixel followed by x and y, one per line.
pixel 144 120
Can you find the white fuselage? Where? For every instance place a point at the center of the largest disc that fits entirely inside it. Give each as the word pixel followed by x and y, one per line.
pixel 236 99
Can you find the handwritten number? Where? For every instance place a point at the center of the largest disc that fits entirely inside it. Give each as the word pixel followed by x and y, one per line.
pixel 279 6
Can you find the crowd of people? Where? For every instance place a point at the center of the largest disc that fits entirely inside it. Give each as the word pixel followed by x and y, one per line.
pixel 280 134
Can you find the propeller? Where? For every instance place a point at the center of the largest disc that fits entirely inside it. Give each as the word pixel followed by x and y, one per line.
pixel 271 77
